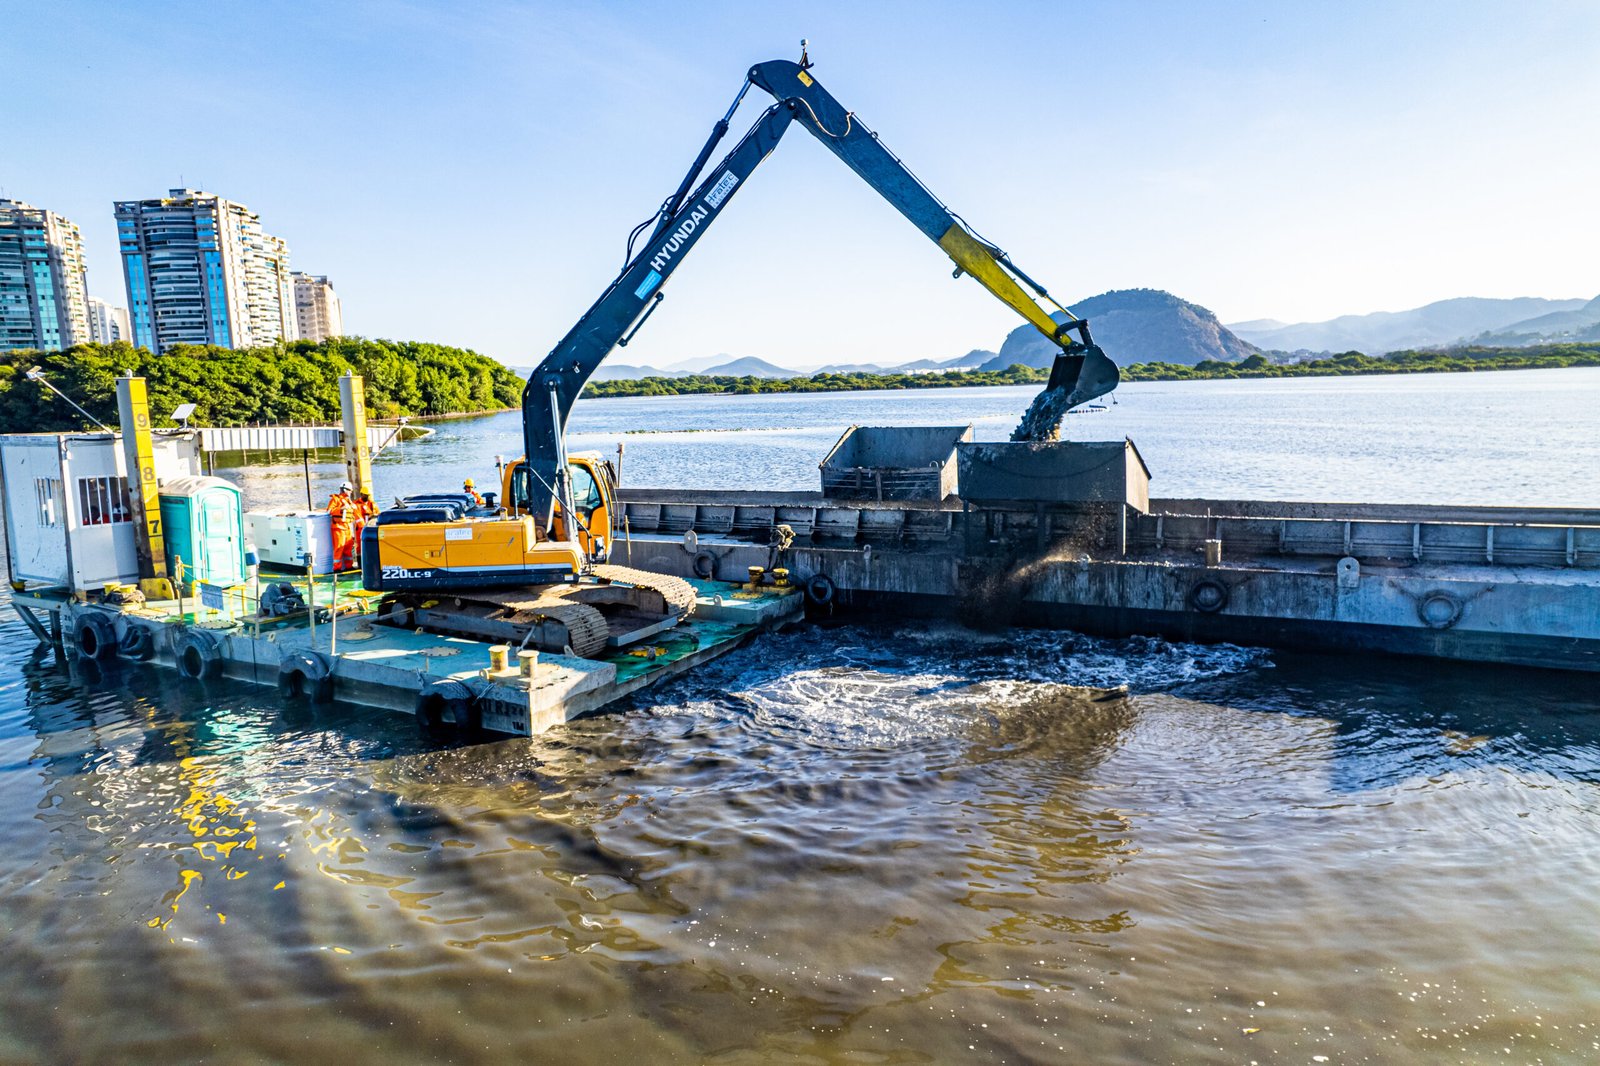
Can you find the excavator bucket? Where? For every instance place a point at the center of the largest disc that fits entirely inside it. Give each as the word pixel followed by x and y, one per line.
pixel 1084 375
pixel 1076 378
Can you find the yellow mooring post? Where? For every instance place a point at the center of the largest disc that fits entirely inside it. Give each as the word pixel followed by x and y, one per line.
pixel 144 495
pixel 353 409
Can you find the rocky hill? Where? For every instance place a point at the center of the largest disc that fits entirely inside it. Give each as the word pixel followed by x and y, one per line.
pixel 1134 326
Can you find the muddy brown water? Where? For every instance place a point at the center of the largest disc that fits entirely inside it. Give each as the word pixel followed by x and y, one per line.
pixel 872 843
pixel 866 843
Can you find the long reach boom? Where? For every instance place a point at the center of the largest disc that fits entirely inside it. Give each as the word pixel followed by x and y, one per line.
pixel 1080 373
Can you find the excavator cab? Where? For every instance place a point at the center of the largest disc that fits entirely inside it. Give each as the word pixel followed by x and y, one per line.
pixel 594 498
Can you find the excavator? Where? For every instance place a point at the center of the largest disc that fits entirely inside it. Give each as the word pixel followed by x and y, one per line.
pixel 534 570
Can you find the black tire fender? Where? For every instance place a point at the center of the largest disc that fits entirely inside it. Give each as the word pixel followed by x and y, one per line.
pixel 93 636
pixel 1208 596
pixel 705 564
pixel 820 589
pixel 306 675
pixel 198 655
pixel 138 643
pixel 443 703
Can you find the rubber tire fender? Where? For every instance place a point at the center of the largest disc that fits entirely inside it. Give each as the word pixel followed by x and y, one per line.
pixel 306 675
pixel 138 643
pixel 93 636
pixel 1207 596
pixel 198 655
pixel 820 589
pixel 441 697
pixel 705 564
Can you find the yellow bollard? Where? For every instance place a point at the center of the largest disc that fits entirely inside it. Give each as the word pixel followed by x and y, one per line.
pixel 780 576
pixel 498 654
pixel 755 576
pixel 528 662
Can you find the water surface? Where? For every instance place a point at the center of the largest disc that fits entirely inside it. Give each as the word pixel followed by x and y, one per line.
pixel 881 843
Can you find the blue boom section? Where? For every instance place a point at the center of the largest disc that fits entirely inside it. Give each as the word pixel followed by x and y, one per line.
pixel 849 139
pixel 1081 372
pixel 628 299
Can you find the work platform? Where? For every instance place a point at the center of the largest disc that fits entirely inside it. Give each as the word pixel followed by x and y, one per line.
pixel 354 659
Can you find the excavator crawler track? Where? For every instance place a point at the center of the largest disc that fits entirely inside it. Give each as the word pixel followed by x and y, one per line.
pixel 536 618
pixel 678 593
pixel 616 605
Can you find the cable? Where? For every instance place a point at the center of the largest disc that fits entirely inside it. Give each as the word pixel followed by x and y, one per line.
pixel 849 120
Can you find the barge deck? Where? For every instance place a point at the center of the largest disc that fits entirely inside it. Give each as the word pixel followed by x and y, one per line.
pixel 349 658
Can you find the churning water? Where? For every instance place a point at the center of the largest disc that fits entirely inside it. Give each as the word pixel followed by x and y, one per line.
pixel 879 843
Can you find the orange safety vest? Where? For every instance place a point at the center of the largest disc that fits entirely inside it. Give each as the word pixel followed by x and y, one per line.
pixel 344 511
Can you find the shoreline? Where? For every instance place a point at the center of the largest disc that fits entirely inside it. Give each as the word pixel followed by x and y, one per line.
pixel 1351 364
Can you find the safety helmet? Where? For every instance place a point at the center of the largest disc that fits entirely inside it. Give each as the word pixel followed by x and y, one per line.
pixel 467 484
pixel 345 486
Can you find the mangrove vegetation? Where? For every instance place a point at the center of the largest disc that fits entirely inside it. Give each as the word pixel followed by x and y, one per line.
pixel 1256 366
pixel 293 382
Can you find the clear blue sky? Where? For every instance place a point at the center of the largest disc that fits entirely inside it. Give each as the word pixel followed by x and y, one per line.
pixel 467 172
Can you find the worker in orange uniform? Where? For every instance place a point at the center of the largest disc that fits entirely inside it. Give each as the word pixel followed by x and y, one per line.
pixel 466 487
pixel 343 512
pixel 366 511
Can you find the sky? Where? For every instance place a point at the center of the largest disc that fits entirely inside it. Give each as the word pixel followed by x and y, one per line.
pixel 468 173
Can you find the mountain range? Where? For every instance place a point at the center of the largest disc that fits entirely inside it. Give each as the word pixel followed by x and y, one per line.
pixel 1149 325
pixel 1131 325
pixel 1525 320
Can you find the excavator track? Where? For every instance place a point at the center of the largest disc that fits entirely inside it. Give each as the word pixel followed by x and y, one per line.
pixel 539 618
pixel 617 605
pixel 678 593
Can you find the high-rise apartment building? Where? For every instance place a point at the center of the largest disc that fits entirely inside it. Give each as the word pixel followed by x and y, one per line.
pixel 316 306
pixel 108 323
pixel 200 270
pixel 43 293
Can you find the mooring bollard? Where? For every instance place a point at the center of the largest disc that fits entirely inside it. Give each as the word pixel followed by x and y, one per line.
pixel 1214 553
pixel 498 654
pixel 528 662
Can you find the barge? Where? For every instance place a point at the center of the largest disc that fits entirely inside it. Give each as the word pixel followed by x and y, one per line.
pixel 909 521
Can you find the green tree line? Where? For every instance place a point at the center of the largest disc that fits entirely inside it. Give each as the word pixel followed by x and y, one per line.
pixel 1256 366
pixel 699 383
pixel 293 382
pixel 1433 361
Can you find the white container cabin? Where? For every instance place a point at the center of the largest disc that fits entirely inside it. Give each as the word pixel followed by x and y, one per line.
pixel 69 522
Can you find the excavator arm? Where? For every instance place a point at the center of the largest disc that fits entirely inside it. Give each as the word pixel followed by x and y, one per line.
pixel 1081 371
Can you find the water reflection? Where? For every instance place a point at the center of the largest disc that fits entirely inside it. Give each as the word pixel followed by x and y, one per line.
pixel 911 843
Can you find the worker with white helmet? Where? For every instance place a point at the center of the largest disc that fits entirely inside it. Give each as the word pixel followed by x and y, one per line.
pixel 344 513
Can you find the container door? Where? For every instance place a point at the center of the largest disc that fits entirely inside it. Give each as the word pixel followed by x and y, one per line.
pixel 35 512
pixel 219 533
pixel 99 514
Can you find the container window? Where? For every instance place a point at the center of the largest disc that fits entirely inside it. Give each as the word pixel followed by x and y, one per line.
pixel 103 501
pixel 46 491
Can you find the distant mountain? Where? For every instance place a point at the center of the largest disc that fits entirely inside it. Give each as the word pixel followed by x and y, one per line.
pixel 1440 323
pixel 1557 325
pixel 849 368
pixel 1256 325
pixel 624 372
pixel 697 365
pixel 972 360
pixel 749 366
pixel 1134 326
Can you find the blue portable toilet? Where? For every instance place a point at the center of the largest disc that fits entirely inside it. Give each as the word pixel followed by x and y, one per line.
pixel 203 521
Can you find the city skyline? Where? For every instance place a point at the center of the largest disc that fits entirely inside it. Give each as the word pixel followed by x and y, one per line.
pixel 1265 163
pixel 201 269
pixel 44 301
